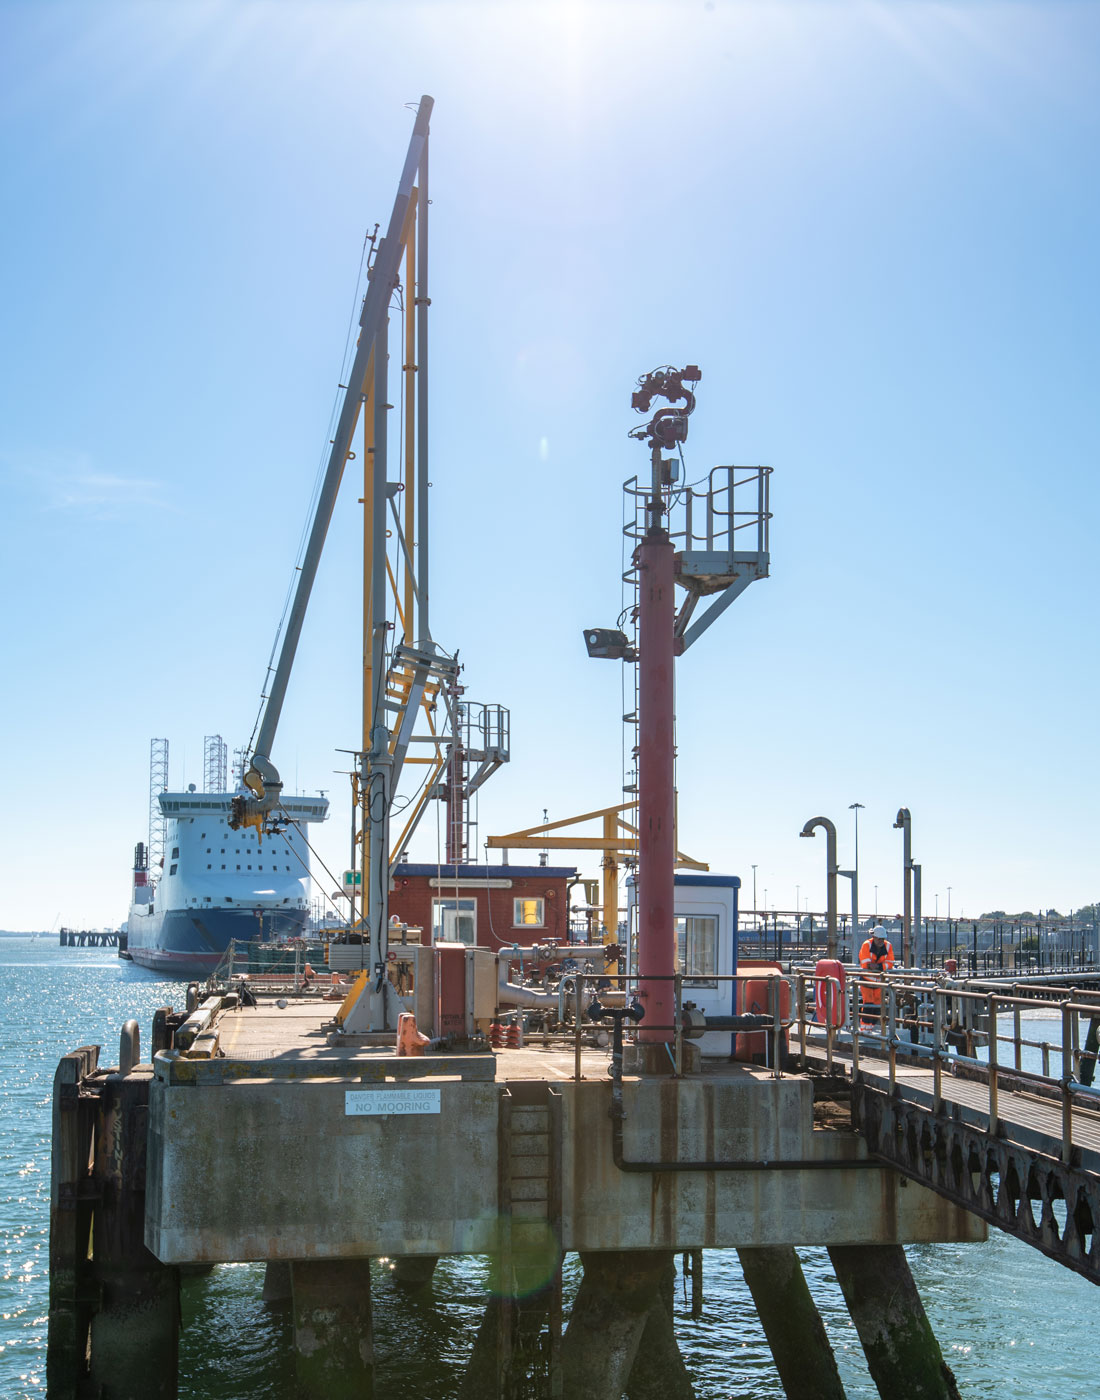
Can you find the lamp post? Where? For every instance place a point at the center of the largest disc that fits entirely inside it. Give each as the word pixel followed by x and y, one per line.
pixel 876 904
pixel 755 915
pixel 855 808
pixel 904 824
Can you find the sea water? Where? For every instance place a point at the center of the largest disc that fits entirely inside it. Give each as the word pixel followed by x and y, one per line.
pixel 1012 1324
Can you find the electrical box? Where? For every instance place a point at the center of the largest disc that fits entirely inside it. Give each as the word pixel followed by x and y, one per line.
pixel 465 988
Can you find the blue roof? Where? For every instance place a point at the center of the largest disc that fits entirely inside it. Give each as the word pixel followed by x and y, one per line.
pixel 488 872
pixel 720 882
pixel 725 882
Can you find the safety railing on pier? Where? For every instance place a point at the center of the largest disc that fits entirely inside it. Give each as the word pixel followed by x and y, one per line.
pixel 957 1030
pixel 612 992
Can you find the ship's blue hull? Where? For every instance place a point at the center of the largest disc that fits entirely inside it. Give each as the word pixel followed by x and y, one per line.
pixel 191 943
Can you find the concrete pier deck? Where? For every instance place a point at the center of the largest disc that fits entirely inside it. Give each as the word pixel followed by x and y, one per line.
pixel 281 1142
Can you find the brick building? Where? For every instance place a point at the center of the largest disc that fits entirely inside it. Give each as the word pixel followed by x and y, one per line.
pixel 493 906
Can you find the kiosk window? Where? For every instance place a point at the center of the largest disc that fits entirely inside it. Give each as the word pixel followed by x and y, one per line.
pixel 697 948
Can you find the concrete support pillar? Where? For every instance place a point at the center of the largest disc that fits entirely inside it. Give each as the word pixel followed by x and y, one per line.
pixel 609 1318
pixel 498 1361
pixel 414 1270
pixel 659 1372
pixel 902 1353
pixel 278 1288
pixel 792 1323
pixel 135 1331
pixel 333 1342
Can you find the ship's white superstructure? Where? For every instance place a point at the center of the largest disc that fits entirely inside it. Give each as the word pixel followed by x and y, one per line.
pixel 217 883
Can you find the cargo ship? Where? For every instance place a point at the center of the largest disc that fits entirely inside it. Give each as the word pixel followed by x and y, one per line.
pixel 217 884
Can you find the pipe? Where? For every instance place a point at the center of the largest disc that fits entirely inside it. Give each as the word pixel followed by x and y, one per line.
pixel 916 906
pixel 831 873
pixel 904 824
pixel 513 995
pixel 656 818
pixel 617 1115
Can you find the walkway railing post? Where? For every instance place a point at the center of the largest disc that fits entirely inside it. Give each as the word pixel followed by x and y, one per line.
pixel 991 1013
pixel 1016 1037
pixel 678 1022
pixel 937 1051
pixel 800 987
pixel 1068 1018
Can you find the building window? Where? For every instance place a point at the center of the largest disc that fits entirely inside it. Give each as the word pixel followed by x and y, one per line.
pixel 697 949
pixel 175 853
pixel 172 868
pixel 454 921
pixel 529 913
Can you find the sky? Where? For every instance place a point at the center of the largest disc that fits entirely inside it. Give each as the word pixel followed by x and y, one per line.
pixel 873 226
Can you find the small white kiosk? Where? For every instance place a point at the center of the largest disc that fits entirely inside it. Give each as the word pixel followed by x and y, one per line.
pixel 706 946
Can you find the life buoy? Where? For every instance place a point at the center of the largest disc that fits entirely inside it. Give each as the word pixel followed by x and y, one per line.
pixel 829 967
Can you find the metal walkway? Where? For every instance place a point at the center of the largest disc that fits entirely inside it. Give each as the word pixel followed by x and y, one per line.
pixel 1025 1162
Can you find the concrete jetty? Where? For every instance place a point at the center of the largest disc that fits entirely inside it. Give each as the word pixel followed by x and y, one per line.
pixel 257 1133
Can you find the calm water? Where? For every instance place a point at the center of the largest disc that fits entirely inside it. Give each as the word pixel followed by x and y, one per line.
pixel 1014 1325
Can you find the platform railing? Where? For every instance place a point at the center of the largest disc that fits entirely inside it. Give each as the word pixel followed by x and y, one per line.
pixel 947 1024
pixel 589 985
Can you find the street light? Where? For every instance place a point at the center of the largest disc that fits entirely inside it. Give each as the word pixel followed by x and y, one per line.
pixel 755 915
pixel 876 904
pixel 855 808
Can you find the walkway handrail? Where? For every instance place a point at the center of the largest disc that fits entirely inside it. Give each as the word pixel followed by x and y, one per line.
pixel 947 1023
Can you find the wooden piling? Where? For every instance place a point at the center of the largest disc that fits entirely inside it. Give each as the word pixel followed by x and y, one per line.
pixel 73 1293
pixel 134 1351
pixel 333 1338
pixel 791 1322
pixel 902 1353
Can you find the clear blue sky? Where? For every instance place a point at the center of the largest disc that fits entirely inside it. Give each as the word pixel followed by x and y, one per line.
pixel 874 226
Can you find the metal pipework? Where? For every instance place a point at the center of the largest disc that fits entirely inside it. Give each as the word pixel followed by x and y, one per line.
pixel 656 797
pixel 916 906
pixel 904 824
pixel 831 873
pixel 512 995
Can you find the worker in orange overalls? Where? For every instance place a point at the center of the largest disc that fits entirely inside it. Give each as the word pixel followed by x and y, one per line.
pixel 875 958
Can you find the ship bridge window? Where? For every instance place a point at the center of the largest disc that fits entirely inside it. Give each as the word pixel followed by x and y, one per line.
pixel 223 867
pixel 697 949
pixel 172 868
pixel 175 853
pixel 210 867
